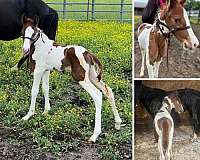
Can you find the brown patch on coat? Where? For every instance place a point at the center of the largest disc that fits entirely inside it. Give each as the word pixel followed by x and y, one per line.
pixel 91 59
pixel 142 27
pixel 31 62
pixel 70 60
pixel 157 47
pixel 165 125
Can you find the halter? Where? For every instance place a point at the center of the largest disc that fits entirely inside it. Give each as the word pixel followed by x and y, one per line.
pixel 167 35
pixel 33 40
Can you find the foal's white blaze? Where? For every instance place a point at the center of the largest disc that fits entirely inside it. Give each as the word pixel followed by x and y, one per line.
pixel 193 38
pixel 28 33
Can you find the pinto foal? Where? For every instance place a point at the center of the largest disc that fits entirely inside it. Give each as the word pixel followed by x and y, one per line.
pixel 85 68
pixel 164 125
pixel 154 39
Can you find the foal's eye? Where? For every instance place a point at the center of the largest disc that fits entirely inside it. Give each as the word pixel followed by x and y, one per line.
pixel 177 20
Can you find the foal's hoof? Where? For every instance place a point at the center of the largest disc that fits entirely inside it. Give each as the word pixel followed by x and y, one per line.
pixel 92 140
pixel 14 68
pixel 94 137
pixel 141 75
pixel 27 117
pixel 117 125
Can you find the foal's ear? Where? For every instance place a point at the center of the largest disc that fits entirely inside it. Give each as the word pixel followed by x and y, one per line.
pixel 182 2
pixel 36 21
pixel 23 19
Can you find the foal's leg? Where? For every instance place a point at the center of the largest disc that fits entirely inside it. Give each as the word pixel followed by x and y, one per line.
pixel 143 53
pixel 107 91
pixel 19 64
pixel 45 87
pixel 156 68
pixel 35 89
pixel 150 67
pixel 97 97
pixel 160 147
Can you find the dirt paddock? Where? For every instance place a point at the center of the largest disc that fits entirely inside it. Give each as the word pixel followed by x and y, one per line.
pixel 181 63
pixel 182 147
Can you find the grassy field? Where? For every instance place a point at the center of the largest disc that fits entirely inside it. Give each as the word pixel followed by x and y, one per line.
pixel 71 119
pixel 103 15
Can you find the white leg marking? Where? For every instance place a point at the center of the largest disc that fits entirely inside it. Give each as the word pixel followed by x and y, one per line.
pixel 14 68
pixel 107 91
pixel 142 65
pixel 150 67
pixel 194 137
pixel 45 87
pixel 97 97
pixel 35 90
pixel 156 68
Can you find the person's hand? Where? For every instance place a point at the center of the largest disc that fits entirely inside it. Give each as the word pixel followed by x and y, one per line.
pixel 163 7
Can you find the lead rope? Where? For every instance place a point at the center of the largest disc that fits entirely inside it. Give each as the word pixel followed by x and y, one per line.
pixel 168 44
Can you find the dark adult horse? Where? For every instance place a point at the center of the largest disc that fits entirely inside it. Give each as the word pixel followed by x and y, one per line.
pixel 12 11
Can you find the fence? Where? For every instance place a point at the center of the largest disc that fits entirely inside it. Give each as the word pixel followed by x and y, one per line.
pixel 109 10
pixel 194 15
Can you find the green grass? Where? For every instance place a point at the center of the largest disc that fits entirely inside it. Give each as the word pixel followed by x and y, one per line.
pixel 103 15
pixel 111 42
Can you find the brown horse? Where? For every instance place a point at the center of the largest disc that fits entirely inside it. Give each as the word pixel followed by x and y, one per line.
pixel 154 39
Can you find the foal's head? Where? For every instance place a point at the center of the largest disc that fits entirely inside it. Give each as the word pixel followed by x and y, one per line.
pixel 173 101
pixel 177 20
pixel 30 32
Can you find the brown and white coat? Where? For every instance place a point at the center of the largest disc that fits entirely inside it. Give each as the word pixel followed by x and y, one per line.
pixel 85 68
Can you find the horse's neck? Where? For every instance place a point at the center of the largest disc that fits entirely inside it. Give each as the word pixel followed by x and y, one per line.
pixel 164 29
pixel 44 45
pixel 36 7
pixel 164 108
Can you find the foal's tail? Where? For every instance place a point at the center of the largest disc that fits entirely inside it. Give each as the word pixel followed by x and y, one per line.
pixel 166 128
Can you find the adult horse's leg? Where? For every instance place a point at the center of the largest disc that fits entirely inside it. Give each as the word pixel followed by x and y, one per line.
pixel 97 97
pixel 35 89
pixel 107 91
pixel 143 53
pixel 19 64
pixel 45 87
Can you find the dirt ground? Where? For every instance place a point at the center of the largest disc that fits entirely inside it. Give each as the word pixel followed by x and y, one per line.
pixel 29 150
pixel 181 63
pixel 182 147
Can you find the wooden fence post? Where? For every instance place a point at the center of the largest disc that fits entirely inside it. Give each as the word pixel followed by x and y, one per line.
pixel 64 9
